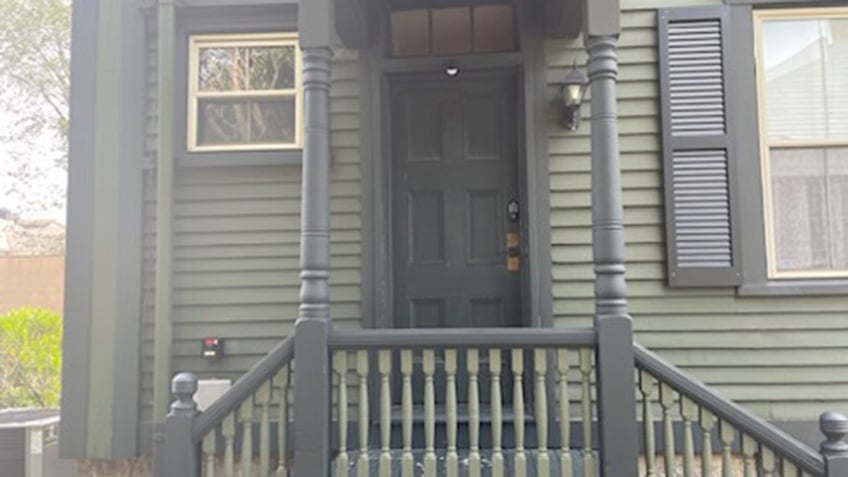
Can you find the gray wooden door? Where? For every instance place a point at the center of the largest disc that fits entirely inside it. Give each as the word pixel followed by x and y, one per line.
pixel 454 174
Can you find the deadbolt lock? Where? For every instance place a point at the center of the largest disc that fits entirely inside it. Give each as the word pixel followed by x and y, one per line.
pixel 513 252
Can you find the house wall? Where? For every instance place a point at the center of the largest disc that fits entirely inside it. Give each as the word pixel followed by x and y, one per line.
pixel 236 252
pixel 782 357
pixel 236 245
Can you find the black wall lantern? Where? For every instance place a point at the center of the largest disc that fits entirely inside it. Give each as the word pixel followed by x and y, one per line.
pixel 573 90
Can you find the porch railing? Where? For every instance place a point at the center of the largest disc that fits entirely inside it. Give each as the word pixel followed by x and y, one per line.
pixel 747 444
pixel 520 359
pixel 197 443
pixel 443 399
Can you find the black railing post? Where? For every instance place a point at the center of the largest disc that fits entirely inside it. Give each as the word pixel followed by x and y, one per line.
pixel 615 361
pixel 181 453
pixel 834 449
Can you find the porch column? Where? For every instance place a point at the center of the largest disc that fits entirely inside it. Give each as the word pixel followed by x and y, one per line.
pixel 615 362
pixel 166 31
pixel 312 368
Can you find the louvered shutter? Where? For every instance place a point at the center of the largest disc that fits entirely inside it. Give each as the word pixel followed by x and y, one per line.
pixel 698 147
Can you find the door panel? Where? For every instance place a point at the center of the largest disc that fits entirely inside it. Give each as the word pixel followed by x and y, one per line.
pixel 454 172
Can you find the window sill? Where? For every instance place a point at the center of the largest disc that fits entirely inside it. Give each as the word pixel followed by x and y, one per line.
pixel 240 158
pixel 819 287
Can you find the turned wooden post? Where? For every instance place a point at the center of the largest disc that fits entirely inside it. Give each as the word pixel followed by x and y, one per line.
pixel 834 449
pixel 182 454
pixel 618 432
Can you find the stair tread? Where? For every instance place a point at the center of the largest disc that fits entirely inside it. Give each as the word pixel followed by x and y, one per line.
pixel 486 462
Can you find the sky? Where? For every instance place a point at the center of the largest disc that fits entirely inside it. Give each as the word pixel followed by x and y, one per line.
pixel 48 182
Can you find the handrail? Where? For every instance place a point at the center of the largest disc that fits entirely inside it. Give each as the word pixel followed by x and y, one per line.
pixel 247 384
pixel 777 440
pixel 459 337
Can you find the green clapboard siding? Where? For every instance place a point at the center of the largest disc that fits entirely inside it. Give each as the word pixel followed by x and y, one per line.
pixel 783 357
pixel 236 246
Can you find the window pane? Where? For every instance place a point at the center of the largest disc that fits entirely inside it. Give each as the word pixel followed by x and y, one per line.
pixel 837 199
pixel 221 122
pixel 272 68
pixel 494 29
pixel 411 33
pixel 810 204
pixel 222 69
pixel 806 78
pixel 451 31
pixel 272 121
pixel 227 122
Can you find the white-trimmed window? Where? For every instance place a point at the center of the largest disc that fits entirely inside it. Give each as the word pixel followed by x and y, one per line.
pixel 244 92
pixel 802 74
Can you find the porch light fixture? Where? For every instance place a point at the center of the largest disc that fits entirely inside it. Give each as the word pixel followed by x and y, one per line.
pixel 451 70
pixel 573 89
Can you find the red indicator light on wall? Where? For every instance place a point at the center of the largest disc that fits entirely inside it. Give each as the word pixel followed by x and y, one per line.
pixel 213 348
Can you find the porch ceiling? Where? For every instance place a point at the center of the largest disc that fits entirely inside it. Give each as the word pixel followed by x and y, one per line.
pixel 356 19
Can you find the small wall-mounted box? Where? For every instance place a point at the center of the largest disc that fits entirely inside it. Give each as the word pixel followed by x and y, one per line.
pixel 209 390
pixel 213 348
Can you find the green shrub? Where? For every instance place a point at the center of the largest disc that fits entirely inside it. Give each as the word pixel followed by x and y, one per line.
pixel 30 358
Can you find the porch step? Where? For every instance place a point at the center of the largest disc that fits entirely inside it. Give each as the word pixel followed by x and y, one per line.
pixel 577 460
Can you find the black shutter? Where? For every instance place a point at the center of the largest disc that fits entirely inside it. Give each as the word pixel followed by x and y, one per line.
pixel 698 151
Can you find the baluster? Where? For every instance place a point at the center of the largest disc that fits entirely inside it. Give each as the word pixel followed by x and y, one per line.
pixel 788 469
pixel 263 399
pixel 726 433
pixel 246 417
pixel 748 450
pixel 564 413
pixel 666 402
pixel 767 461
pixel 342 462
pixel 540 362
pixel 518 409
pixel 646 388
pixel 707 421
pixel 362 468
pixel 407 462
pixel 688 412
pixel 473 364
pixel 429 366
pixel 452 460
pixel 283 422
pixel 209 452
pixel 585 384
pixel 497 416
pixel 228 430
pixel 385 365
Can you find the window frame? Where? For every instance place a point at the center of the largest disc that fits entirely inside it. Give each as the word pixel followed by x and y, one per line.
pixel 760 16
pixel 193 95
pixel 430 9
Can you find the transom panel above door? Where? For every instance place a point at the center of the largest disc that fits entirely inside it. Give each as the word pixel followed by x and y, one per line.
pixel 455 203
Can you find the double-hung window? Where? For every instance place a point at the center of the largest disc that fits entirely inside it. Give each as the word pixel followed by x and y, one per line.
pixel 244 92
pixel 754 109
pixel 802 75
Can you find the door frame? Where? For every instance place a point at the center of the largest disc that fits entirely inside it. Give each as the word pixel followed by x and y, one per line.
pixel 527 67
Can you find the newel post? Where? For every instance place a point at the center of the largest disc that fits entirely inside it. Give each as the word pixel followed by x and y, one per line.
pixel 834 449
pixel 312 331
pixel 182 454
pixel 618 430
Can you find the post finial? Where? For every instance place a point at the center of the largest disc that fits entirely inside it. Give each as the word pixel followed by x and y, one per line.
pixel 835 428
pixel 183 386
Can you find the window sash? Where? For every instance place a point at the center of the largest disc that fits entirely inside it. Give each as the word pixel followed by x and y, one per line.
pixel 767 144
pixel 195 95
